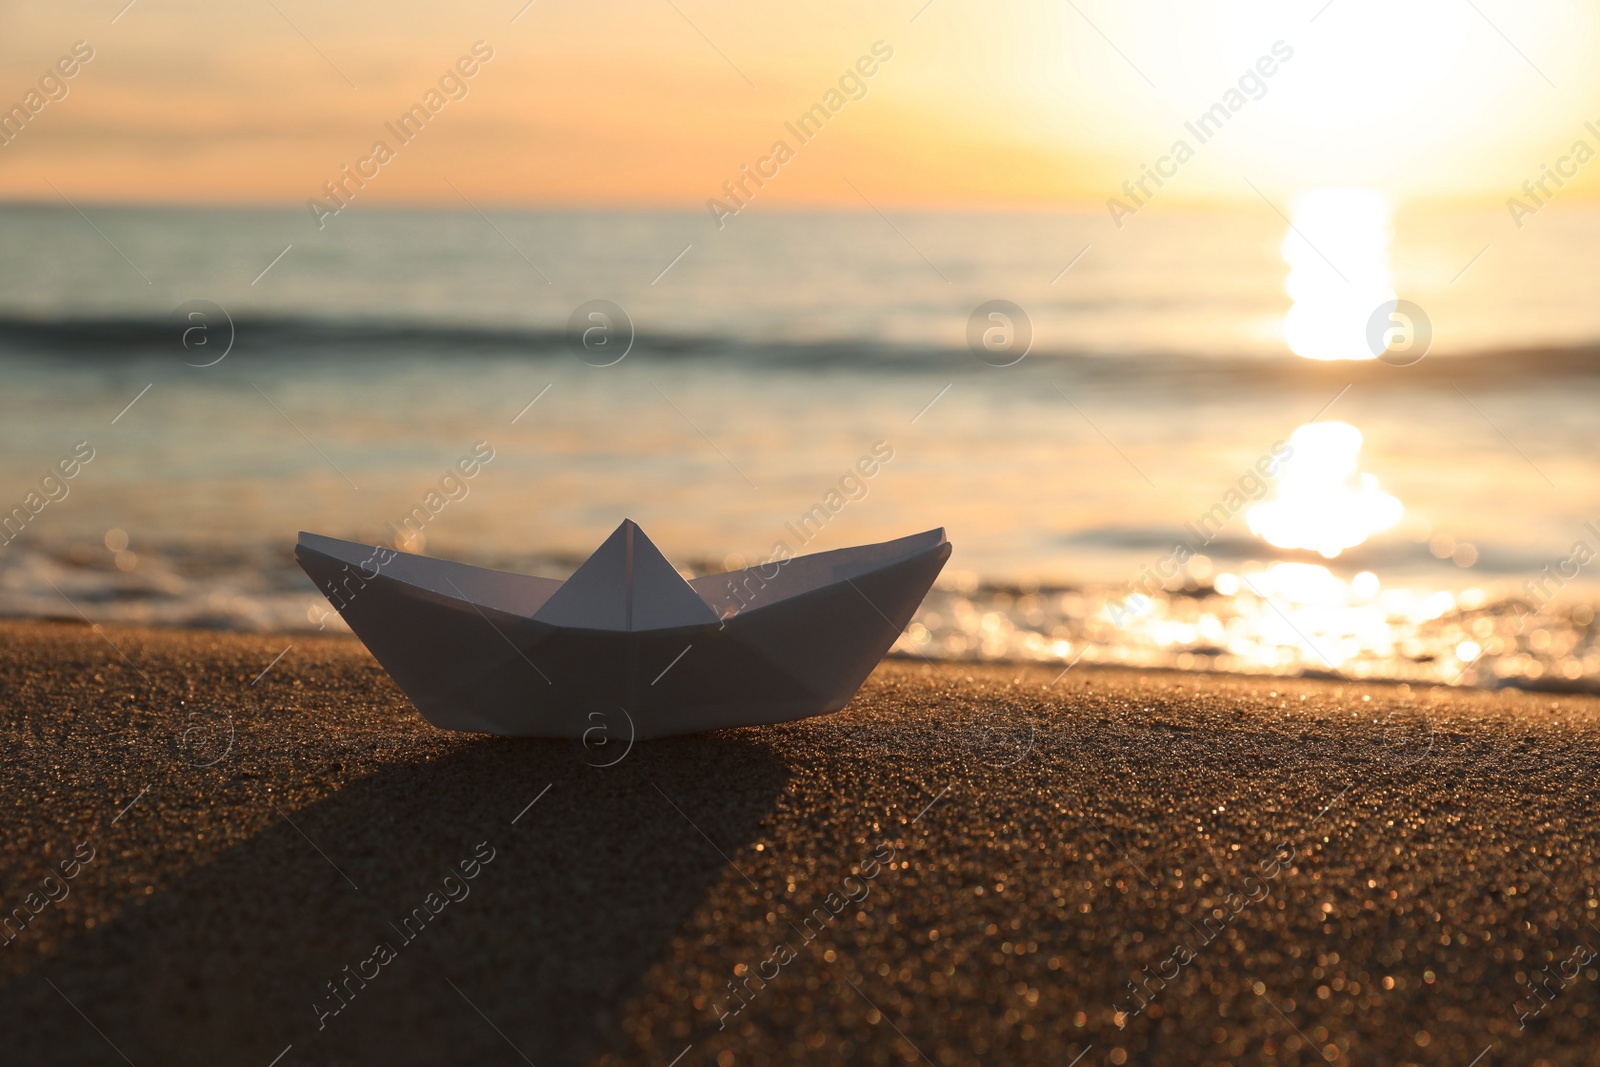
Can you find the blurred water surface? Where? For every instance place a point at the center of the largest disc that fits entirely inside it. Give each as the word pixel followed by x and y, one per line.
pixel 769 357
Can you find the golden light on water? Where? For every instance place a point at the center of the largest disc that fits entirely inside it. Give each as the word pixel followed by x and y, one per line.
pixel 1262 618
pixel 1323 501
pixel 1282 617
pixel 1337 249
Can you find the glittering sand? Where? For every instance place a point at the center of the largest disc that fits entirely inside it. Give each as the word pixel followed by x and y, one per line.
pixel 967 865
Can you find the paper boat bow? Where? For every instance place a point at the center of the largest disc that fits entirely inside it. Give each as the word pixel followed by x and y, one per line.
pixel 626 635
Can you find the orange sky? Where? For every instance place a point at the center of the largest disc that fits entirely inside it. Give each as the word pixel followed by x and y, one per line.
pixel 658 102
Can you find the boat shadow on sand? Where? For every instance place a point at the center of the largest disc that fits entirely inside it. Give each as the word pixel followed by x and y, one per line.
pixel 530 960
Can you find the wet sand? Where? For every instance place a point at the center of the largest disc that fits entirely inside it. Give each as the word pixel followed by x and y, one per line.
pixel 966 865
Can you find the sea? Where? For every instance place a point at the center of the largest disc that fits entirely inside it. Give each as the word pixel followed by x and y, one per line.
pixel 1165 443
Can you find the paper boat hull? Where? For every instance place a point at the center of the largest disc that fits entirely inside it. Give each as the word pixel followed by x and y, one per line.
pixel 467 665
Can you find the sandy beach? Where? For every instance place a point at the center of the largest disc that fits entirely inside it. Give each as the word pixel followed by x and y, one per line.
pixel 226 848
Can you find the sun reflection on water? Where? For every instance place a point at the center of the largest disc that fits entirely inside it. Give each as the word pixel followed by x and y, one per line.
pixel 1323 501
pixel 1280 618
pixel 1337 249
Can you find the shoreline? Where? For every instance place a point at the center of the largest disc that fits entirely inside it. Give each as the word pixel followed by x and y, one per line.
pixel 1583 686
pixel 259 808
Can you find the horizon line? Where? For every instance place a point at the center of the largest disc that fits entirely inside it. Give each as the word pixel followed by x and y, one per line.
pixel 1030 206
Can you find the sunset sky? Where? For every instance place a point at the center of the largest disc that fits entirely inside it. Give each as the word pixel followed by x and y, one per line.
pixel 658 102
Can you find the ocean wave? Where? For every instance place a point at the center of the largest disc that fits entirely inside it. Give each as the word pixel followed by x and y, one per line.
pixel 303 337
pixel 1382 554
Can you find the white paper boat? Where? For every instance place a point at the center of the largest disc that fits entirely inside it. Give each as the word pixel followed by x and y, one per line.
pixel 626 636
